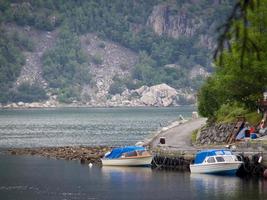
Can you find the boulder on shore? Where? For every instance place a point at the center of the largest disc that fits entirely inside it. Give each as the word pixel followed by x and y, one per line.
pixel 157 95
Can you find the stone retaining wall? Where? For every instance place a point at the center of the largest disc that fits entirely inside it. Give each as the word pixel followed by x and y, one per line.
pixel 214 134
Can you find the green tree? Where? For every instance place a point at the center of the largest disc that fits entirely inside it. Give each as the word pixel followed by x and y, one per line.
pixel 66 65
pixel 242 76
pixel 11 61
pixel 28 93
pixel 209 100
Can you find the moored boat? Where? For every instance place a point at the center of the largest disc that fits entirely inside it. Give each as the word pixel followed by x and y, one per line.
pixel 215 162
pixel 127 156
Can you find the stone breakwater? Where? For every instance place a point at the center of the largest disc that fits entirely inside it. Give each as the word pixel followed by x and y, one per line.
pixel 214 134
pixel 84 154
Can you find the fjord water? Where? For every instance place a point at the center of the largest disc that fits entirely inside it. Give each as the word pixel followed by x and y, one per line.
pixel 83 126
pixel 30 178
pixel 33 177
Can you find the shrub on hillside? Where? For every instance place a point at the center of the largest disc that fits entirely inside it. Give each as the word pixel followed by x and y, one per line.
pixel 230 111
pixel 97 59
pixel 116 88
pixel 27 92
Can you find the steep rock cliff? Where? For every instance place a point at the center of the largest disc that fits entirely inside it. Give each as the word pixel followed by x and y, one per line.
pixel 166 20
pixel 195 18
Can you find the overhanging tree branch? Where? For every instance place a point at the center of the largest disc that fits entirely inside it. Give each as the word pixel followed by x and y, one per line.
pixel 232 29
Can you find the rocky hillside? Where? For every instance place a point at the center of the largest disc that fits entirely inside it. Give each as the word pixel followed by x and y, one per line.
pixel 153 53
pixel 113 60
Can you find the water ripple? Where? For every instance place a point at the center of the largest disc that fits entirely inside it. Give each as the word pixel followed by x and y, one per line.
pixel 83 126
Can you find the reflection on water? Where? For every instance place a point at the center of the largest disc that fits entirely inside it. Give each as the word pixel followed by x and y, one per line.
pixel 30 178
pixel 227 187
pixel 127 174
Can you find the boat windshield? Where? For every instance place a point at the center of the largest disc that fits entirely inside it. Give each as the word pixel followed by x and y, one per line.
pixel 135 153
pixel 143 153
pixel 130 154
pixel 211 160
pixel 228 158
pixel 219 159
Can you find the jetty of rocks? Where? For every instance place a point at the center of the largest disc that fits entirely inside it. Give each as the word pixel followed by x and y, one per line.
pixel 84 154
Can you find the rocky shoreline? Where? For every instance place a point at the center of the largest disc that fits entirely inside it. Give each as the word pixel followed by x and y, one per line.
pixel 160 95
pixel 83 154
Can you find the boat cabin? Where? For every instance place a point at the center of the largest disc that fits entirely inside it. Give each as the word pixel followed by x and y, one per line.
pixel 127 156
pixel 214 156
pixel 138 153
pixel 126 152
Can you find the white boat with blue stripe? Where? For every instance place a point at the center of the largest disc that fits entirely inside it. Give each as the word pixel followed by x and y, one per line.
pixel 127 156
pixel 215 161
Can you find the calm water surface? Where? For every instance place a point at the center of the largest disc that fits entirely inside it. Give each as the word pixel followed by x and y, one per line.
pixel 83 126
pixel 31 177
pixel 40 178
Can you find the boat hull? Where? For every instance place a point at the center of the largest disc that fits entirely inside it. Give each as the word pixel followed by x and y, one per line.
pixel 138 161
pixel 216 168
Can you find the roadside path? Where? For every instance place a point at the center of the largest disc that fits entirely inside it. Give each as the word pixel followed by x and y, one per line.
pixel 179 137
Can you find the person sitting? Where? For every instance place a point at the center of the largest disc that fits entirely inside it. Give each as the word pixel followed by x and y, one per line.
pixel 241 134
pixel 247 133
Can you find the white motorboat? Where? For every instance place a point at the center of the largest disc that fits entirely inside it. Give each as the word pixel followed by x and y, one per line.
pixel 215 162
pixel 127 156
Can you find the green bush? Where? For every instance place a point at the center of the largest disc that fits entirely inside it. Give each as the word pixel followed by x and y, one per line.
pixel 97 59
pixel 28 93
pixel 253 118
pixel 38 14
pixel 230 111
pixel 101 45
pixel 69 94
pixel 11 62
pixel 116 88
pixel 22 41
pixel 194 136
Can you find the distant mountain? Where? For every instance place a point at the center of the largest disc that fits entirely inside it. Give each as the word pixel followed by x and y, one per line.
pixel 91 51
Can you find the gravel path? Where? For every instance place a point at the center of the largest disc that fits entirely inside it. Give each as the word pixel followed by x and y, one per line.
pixel 179 137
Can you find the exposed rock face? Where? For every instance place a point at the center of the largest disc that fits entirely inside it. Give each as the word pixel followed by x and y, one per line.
pixel 31 72
pixel 214 134
pixel 165 20
pixel 113 60
pixel 158 95
pixel 198 70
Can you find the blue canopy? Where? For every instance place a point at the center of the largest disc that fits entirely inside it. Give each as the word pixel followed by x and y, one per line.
pixel 200 156
pixel 117 152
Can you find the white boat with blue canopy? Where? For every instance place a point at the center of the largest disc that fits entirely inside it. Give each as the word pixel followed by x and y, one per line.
pixel 215 161
pixel 127 156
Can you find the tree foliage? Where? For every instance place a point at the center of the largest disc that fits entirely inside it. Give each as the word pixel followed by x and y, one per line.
pixel 11 61
pixel 27 92
pixel 235 82
pixel 66 65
